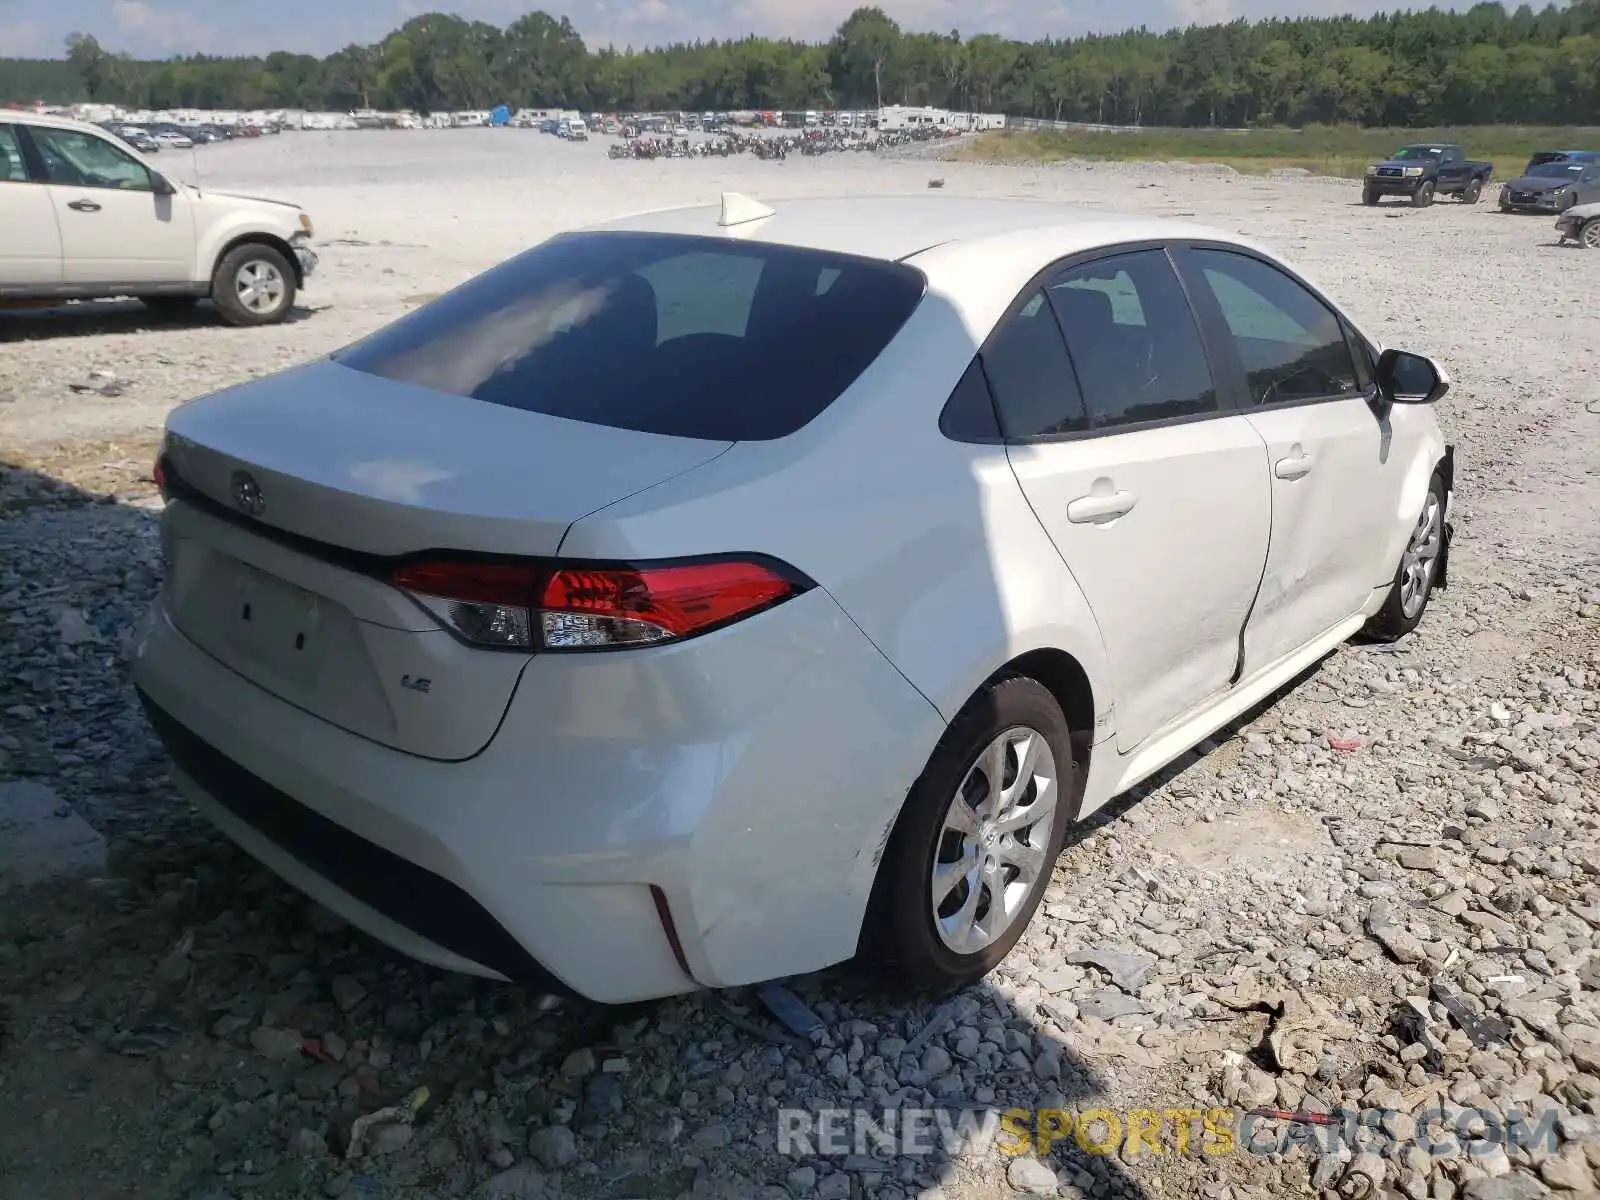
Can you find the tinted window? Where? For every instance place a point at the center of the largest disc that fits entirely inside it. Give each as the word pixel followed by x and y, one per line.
pixel 1026 362
pixel 87 160
pixel 1133 340
pixel 12 168
pixel 1291 345
pixel 693 337
pixel 969 414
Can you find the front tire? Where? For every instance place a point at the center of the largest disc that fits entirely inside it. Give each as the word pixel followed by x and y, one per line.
pixel 1589 234
pixel 1369 197
pixel 1423 196
pixel 1419 566
pixel 253 285
pixel 974 847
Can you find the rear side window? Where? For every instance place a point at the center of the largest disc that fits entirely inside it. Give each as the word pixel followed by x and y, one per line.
pixel 1133 340
pixel 685 336
pixel 1031 377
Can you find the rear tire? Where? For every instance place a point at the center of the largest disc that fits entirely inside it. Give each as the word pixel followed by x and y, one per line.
pixel 1473 192
pixel 253 285
pixel 972 852
pixel 1413 579
pixel 1423 196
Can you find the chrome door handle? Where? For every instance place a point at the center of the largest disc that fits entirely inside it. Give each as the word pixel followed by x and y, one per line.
pixel 1097 510
pixel 84 206
pixel 1295 466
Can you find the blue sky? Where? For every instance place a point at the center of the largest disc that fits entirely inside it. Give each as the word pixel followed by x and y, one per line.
pixel 156 28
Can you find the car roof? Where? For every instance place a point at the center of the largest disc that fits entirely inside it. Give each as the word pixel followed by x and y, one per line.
pixel 896 228
pixel 23 117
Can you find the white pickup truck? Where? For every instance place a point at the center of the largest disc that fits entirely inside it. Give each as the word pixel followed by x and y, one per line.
pixel 83 216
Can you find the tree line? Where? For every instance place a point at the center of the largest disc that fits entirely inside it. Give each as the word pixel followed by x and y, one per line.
pixel 1485 65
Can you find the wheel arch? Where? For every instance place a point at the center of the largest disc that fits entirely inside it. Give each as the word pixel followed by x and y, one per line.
pixel 1446 470
pixel 1063 677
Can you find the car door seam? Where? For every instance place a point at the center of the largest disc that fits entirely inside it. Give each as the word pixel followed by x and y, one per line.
pixel 1266 558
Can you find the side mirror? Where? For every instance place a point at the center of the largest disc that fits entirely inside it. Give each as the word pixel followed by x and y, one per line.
pixel 1406 378
pixel 161 185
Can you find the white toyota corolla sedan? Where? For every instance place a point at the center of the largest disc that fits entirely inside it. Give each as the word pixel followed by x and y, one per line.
pixel 722 593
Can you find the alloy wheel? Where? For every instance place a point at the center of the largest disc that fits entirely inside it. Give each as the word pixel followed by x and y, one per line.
pixel 993 845
pixel 1416 568
pixel 260 287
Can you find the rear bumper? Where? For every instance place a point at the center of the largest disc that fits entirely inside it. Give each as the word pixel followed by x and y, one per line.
pixel 746 780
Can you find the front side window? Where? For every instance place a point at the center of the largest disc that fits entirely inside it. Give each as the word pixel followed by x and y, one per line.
pixel 75 159
pixel 12 168
pixel 1290 344
pixel 1133 340
pixel 668 334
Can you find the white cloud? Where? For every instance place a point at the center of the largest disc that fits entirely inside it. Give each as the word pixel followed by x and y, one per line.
pixel 157 26
pixel 1201 12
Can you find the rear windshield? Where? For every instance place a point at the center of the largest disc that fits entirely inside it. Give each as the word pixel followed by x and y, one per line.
pixel 688 336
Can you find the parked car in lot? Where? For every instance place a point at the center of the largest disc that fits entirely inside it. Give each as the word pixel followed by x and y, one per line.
pixel 1547 156
pixel 1581 224
pixel 1423 172
pixel 519 635
pixel 86 216
pixel 1552 187
pixel 140 139
pixel 174 140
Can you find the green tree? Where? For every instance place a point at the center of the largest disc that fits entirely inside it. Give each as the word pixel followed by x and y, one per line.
pixel 861 54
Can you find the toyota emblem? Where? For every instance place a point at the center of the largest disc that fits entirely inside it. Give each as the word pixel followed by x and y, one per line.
pixel 247 497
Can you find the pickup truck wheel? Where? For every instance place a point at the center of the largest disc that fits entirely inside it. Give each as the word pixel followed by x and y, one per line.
pixel 254 285
pixel 1419 566
pixel 1473 192
pixel 1369 197
pixel 1589 234
pixel 1423 196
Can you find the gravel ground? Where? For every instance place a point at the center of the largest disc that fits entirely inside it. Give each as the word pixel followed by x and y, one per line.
pixel 1403 827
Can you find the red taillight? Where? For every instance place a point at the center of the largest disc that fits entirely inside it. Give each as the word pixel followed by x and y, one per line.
pixel 555 607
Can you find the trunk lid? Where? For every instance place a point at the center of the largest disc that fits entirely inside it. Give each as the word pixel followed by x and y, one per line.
pixel 380 467
pixel 350 466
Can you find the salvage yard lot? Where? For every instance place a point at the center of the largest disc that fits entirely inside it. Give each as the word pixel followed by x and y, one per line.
pixel 143 1009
